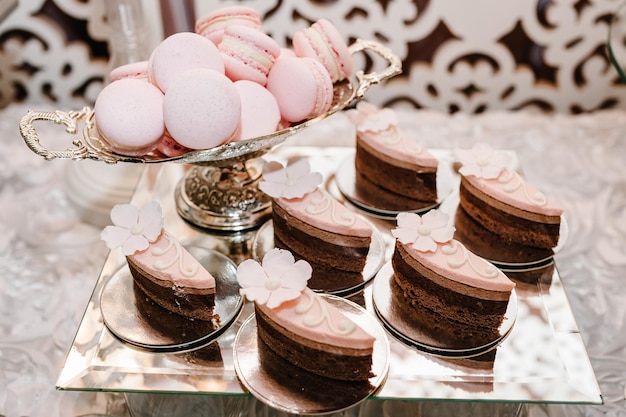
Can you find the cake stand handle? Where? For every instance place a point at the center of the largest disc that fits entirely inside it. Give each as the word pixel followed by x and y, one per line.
pixel 367 80
pixel 70 121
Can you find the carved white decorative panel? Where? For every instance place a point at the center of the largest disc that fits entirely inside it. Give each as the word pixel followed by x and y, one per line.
pixel 469 56
pixel 473 56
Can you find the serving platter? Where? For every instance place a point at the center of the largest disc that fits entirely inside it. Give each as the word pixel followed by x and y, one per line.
pixel 543 358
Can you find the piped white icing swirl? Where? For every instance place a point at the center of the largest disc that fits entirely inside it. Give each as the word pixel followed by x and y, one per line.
pixel 323 202
pixel 342 328
pixel 393 137
pixel 159 264
pixel 513 181
pixel 453 247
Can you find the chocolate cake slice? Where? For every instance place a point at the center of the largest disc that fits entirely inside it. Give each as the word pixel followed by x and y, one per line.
pixel 393 170
pixel 301 326
pixel 316 227
pixel 161 267
pixel 500 200
pixel 442 286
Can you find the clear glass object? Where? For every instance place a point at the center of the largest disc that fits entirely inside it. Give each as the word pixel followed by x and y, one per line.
pixel 542 360
pixel 127 32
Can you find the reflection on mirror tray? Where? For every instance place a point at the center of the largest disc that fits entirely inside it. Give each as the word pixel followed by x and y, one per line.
pixel 543 359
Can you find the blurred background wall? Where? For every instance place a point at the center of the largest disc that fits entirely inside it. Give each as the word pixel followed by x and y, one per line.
pixel 458 56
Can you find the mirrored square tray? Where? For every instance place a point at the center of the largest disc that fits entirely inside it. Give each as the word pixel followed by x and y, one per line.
pixel 543 359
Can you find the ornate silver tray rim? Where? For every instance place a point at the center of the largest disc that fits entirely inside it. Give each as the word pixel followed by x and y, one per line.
pixel 93 147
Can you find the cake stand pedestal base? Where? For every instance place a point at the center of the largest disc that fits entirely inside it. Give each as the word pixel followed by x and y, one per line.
pixel 224 198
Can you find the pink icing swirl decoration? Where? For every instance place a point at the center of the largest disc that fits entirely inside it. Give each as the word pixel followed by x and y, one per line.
pixel 483 162
pixel 133 229
pixel 294 181
pixel 279 278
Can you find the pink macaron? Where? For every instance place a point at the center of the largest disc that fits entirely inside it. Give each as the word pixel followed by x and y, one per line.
pixel 202 109
pixel 260 114
pixel 302 87
pixel 129 116
pixel 248 54
pixel 181 52
pixel 169 147
pixel 323 42
pixel 132 70
pixel 212 24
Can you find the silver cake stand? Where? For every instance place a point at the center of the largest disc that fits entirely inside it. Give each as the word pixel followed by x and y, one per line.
pixel 220 191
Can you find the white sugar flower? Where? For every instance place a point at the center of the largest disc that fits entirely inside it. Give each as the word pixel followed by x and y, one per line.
pixel 294 181
pixel 133 229
pixel 481 161
pixel 423 232
pixel 368 118
pixel 278 279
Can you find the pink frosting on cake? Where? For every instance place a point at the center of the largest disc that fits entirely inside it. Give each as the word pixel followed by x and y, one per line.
pixel 378 128
pixel 452 260
pixel 486 169
pixel 398 145
pixel 512 189
pixel 170 260
pixel 321 210
pixel 311 317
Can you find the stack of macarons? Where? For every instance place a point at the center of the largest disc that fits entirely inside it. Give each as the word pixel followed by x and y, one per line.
pixel 227 81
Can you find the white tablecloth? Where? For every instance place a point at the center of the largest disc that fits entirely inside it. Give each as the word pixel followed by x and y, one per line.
pixel 50 253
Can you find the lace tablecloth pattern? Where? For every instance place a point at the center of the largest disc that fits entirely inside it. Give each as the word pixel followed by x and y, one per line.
pixel 50 252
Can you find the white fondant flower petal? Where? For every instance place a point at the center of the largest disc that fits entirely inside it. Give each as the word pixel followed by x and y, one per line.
pixel 467 170
pixel 114 236
pixel 281 295
pixel 425 244
pixel 124 215
pixel 151 219
pixel 276 280
pixel 298 169
pixel 408 220
pixel 442 235
pixel 405 235
pixel 298 275
pixel 273 189
pixel 134 244
pixel 425 232
pixel 274 172
pixel 259 295
pixel 490 172
pixel 249 272
pixel 305 185
pixel 294 181
pixel 133 228
pixel 435 219
pixel 481 161
pixel 276 262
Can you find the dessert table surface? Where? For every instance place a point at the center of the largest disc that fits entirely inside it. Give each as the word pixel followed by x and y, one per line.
pixel 51 254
